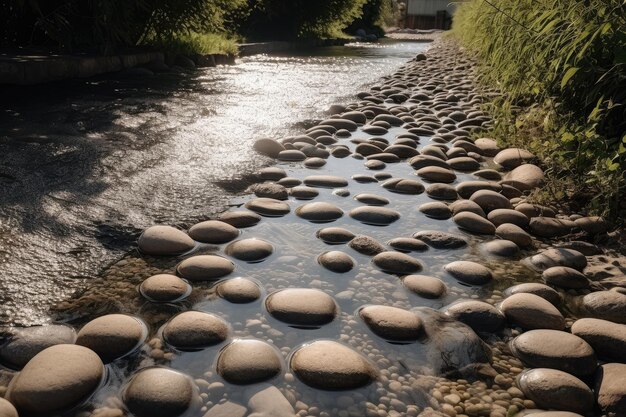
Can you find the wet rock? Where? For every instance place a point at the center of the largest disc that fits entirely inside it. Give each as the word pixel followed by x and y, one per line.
pixel 525 177
pixel 490 200
pixel 488 174
pixel 441 192
pixel 22 344
pixel 268 207
pixel 375 164
pixel 408 244
pixel 329 365
pixel 610 387
pixel 420 161
pixel 537 289
pixel 549 227
pixel 404 186
pixel 607 339
pixel 607 305
pixel 534 210
pixel 371 199
pixel 240 218
pixel 227 409
pixel 474 223
pixel 288 306
pixel 464 163
pixel 379 216
pixel 440 240
pixel 515 234
pixel 425 286
pixel 366 245
pixel 586 248
pixel 249 250
pixel 436 210
pixel 7 409
pixel 164 240
pixel 480 316
pixel 327 181
pixel 193 330
pixel 335 235
pixel 303 192
pixel 159 392
pixel 205 268
pixel 272 173
pixel 500 247
pixel 213 231
pixel 341 192
pixel 530 311
pixel 469 272
pixel 57 378
pixel 592 225
pixel 113 336
pixel 268 401
pixel 248 361
pixel 364 179
pixel 268 147
pixel 556 350
pixel 467 188
pixel 503 216
pixel 336 261
pixel 270 190
pixel 319 212
pixel 436 174
pixel 466 206
pixel 397 263
pixel 289 182
pixel 557 257
pixel 291 155
pixel 488 147
pixel 564 277
pixel 513 157
pixel 550 388
pixel 402 151
pixel 239 290
pixel 392 323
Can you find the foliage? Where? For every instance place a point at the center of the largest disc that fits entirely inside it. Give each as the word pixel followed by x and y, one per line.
pixel 376 15
pixel 198 43
pixel 564 63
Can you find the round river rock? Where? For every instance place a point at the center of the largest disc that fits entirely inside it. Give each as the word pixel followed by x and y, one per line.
pixel 530 311
pixel 550 388
pixel 213 231
pixel 469 272
pixel 159 392
pixel 113 336
pixel 302 306
pixel 397 263
pixel 164 288
pixel 319 212
pixel 205 268
pixel 247 361
pixel 239 290
pixel 336 261
pixel 392 323
pixel 164 240
pixel 194 330
pixel 249 250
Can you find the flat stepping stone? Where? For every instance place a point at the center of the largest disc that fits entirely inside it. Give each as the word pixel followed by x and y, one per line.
pixel 205 268
pixel 515 234
pixel 607 339
pixel 195 330
pixel 375 164
pixel 248 361
pixel 530 311
pixel 336 261
pixel 469 272
pixel 436 174
pixel 159 392
pixel 329 365
pixel 364 179
pixel 397 263
pixel 268 207
pixel 371 199
pixel 272 173
pixel 425 286
pixel 564 277
pixel 287 305
pixel 556 350
pixel 113 336
pixel 327 181
pixel 164 241
pixel 550 388
pixel 540 290
pixel 607 305
pixel 378 216
pixel 474 223
pixel 239 290
pixel 303 192
pixel 501 248
pixel 55 379
pixel 557 257
pixel 319 212
pixel 291 155
pixel 440 240
pixel 392 323
pixel 610 387
pixel 270 190
pixel 249 250
pixel 240 219
pixel 480 316
pixel 421 161
pixel 366 245
pixel 513 157
pixel 404 186
pixel 22 344
pixel 335 235
pixel 289 182
pixel 502 216
pixel 436 210
pixel 490 200
pixel 213 231
pixel 407 244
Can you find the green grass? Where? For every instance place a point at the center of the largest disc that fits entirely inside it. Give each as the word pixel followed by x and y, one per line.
pixel 199 43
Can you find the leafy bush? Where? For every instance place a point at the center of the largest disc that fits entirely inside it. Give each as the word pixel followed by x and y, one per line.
pixel 564 63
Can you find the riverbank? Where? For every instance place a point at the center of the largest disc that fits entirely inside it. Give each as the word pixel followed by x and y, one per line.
pixel 432 287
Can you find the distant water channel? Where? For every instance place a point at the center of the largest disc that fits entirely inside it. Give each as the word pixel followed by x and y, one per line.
pixel 86 165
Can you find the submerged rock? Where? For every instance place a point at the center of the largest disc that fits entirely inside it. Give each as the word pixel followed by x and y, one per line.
pixel 336 261
pixel 22 344
pixel 469 272
pixel 335 235
pixel 239 290
pixel 248 361
pixel 249 250
pixel 397 263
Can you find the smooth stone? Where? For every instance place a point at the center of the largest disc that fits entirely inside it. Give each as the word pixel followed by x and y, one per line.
pixel 335 235
pixel 7 409
pixel 379 216
pixel 436 210
pixel 384 157
pixel 302 306
pixel 436 174
pixel 267 401
pixel 371 199
pixel 488 174
pixel 469 272
pixel 557 257
pixel 607 339
pixel 366 245
pixel 355 116
pixel 487 146
pixel 535 288
pixel 564 277
pixel 164 288
pixel 337 123
pixel 467 188
pixel 270 190
pixel 503 216
pixel 55 379
pixel 336 261
pixel 404 186
pixel 442 192
pixel 480 316
pixel 529 311
pixel 327 181
pixel 440 240
pixel 534 210
pixel 421 161
pixel 240 219
pixel 227 409
pixel 392 323
pixel 248 361
pixel 329 365
pixel 515 234
pixel 541 413
pixel 20 345
pixel 319 212
pixel 268 147
pixel 425 286
pixel 463 163
pixel 303 192
pixel 402 151
pixel 525 177
pixel 291 155
pixel 474 223
pixel 397 263
pixel 461 206
pixel 407 244
pixel 556 350
pixel 549 227
pixel 586 248
pixel 239 290
pixel 500 247
pixel 213 231
pixel 610 388
pixel 268 207
pixel 607 305
pixel 592 225
pixel 164 240
pixel 315 162
pixel 490 200
pixel 513 157
pixel 374 164
pixel 194 330
pixel 364 179
pixel 205 268
pixel 113 336
pixel 341 192
pixel 249 250
pixel 551 388
pixel 272 173
pixel 159 392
